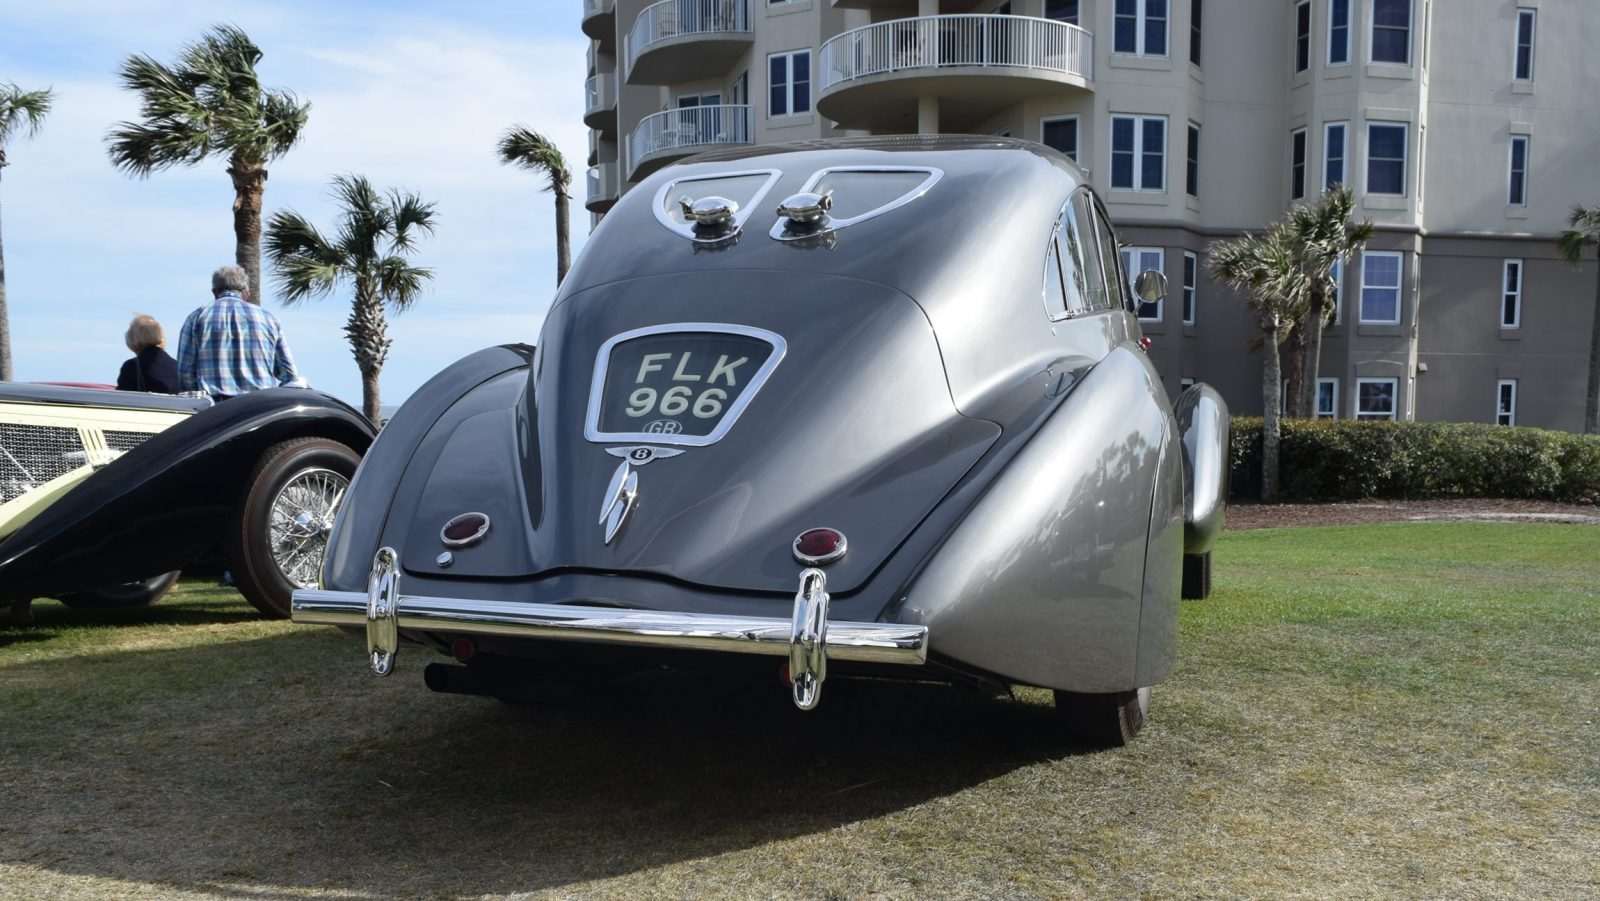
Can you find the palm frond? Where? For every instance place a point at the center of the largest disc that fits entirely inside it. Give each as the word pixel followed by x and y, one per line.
pixel 400 283
pixel 305 264
pixel 525 148
pixel 22 112
pixel 209 101
pixel 1584 230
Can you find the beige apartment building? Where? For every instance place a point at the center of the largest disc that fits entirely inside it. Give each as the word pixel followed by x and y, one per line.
pixel 1468 129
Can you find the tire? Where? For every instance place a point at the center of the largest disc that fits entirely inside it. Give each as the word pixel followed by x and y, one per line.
pixel 1103 720
pixel 130 594
pixel 1197 576
pixel 279 532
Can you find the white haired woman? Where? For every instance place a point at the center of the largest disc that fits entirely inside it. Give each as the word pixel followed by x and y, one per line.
pixel 152 368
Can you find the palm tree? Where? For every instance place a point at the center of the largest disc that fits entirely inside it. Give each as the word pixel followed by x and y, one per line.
pixel 368 251
pixel 1585 231
pixel 524 147
pixel 21 115
pixel 1323 238
pixel 1276 289
pixel 211 104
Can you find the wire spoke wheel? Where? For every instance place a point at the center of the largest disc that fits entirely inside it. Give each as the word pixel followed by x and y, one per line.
pixel 300 518
pixel 280 531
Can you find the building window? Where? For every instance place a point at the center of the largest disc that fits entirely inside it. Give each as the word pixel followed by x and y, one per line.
pixel 1194 31
pixel 1524 67
pixel 1138 152
pixel 1339 32
pixel 1140 27
pixel 1375 398
pixel 1386 158
pixel 1191 172
pixel 1517 190
pixel 1191 275
pixel 1062 10
pixel 1302 35
pixel 1062 134
pixel 1334 148
pixel 1391 31
pixel 1297 164
pixel 1134 261
pixel 1327 398
pixel 1185 384
pixel 1511 295
pixel 1505 412
pixel 1380 287
pixel 789 83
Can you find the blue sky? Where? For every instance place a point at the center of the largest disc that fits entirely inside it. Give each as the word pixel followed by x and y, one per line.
pixel 412 95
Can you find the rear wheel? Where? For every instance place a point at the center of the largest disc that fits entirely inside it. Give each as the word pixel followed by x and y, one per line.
pixel 130 594
pixel 1197 576
pixel 1103 720
pixel 280 531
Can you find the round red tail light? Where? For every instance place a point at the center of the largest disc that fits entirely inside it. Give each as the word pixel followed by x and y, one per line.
pixel 464 530
pixel 819 547
pixel 463 649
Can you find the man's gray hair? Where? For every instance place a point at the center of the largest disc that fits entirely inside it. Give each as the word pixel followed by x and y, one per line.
pixel 229 278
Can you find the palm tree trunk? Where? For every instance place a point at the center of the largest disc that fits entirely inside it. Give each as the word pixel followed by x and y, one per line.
pixel 1271 385
pixel 563 238
pixel 1297 356
pixel 5 324
pixel 370 407
pixel 249 184
pixel 369 342
pixel 1591 410
pixel 1311 362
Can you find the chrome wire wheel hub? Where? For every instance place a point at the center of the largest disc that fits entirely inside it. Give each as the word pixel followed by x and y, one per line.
pixel 300 518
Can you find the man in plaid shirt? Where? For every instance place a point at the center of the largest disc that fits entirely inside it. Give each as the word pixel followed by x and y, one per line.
pixel 231 346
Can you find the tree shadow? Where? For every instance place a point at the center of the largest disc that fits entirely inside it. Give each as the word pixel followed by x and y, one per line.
pixel 270 766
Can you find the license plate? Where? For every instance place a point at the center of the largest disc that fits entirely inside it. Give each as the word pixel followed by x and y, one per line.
pixel 678 384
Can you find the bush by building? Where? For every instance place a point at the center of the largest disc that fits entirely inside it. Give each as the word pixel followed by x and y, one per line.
pixel 1335 460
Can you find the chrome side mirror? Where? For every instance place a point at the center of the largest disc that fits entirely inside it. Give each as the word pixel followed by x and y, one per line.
pixel 1150 286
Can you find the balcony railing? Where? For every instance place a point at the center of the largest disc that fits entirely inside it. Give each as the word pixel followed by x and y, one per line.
pixel 690 127
pixel 672 18
pixel 596 7
pixel 596 94
pixel 980 41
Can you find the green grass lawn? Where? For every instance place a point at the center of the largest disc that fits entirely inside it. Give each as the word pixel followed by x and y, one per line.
pixel 1400 710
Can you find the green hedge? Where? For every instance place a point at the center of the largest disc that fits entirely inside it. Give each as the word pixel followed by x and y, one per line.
pixel 1329 460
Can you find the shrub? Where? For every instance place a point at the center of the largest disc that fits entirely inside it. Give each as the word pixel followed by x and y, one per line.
pixel 1327 460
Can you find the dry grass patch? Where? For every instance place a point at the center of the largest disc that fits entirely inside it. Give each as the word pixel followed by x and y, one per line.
pixel 1365 711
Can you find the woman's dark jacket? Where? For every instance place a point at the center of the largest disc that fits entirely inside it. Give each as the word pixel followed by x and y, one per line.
pixel 153 369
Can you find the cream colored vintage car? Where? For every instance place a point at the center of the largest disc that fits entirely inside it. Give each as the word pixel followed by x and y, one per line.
pixel 104 495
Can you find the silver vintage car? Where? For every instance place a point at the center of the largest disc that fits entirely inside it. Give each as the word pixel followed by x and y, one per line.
pixel 872 406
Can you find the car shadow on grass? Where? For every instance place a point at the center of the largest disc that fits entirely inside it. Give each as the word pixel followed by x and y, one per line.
pixel 278 765
pixel 52 620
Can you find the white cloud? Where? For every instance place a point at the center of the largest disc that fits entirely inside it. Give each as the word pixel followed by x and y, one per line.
pixel 411 101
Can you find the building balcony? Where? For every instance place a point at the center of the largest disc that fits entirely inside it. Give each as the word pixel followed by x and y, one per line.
pixel 662 137
pixel 976 65
pixel 686 40
pixel 602 188
pixel 600 23
pixel 600 103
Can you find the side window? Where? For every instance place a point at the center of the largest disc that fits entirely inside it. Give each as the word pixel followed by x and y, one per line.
pixel 1055 299
pixel 1110 260
pixel 1086 246
pixel 1067 260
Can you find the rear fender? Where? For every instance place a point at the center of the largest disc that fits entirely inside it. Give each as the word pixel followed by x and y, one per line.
pixel 1202 417
pixel 1044 582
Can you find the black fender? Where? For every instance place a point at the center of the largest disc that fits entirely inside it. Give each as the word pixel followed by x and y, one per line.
pixel 165 503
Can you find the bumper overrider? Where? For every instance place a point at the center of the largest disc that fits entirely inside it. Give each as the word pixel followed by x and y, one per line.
pixel 807 637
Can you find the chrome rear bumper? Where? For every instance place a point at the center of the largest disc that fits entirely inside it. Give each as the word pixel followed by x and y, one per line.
pixel 806 637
